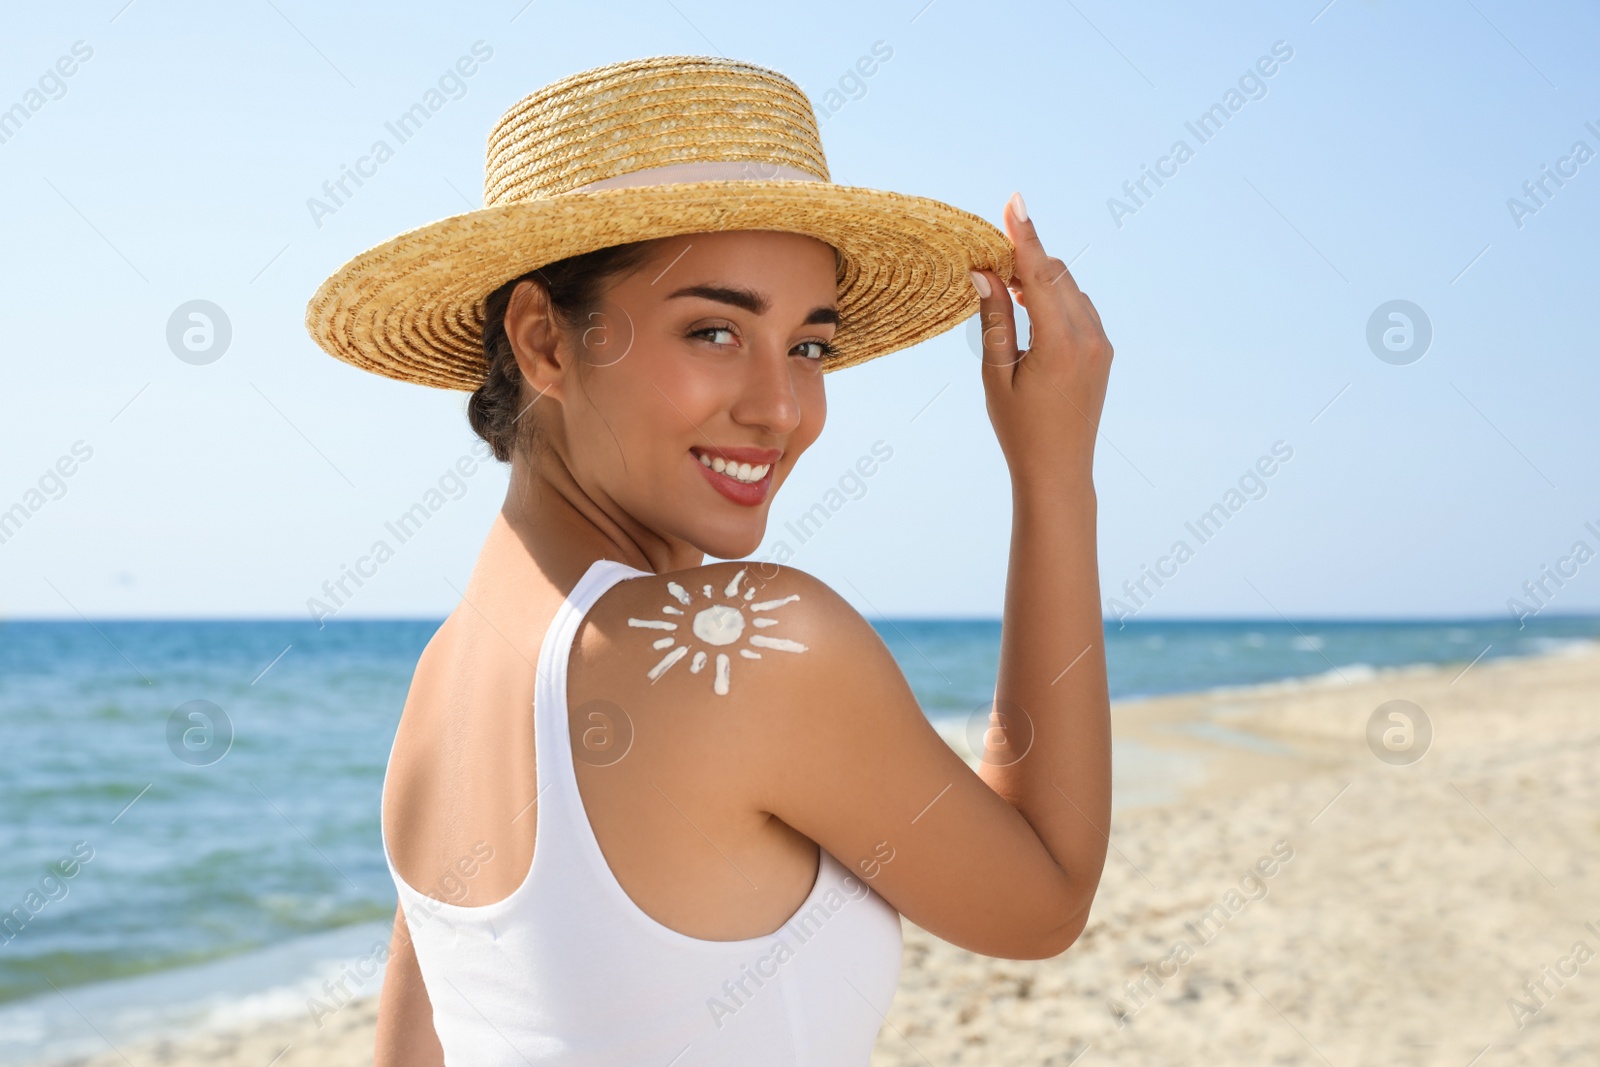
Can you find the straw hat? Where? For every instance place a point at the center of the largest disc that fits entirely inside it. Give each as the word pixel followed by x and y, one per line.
pixel 643 149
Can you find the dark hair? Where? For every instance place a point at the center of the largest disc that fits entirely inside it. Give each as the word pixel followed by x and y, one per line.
pixel 574 285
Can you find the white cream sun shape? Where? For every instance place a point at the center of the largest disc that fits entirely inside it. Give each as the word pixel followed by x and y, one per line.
pixel 719 626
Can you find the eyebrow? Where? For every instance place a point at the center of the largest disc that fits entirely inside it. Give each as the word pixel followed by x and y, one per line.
pixel 751 301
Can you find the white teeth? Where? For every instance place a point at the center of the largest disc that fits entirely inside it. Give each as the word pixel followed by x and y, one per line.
pixel 743 472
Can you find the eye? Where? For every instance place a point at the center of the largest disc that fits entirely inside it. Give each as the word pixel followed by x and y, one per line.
pixel 713 330
pixel 822 350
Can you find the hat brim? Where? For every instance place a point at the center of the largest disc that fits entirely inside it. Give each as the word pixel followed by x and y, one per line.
pixel 412 307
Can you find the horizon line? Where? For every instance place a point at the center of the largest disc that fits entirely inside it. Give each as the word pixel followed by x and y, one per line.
pixel 1125 623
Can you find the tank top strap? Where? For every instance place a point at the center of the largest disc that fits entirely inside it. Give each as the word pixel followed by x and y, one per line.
pixel 561 820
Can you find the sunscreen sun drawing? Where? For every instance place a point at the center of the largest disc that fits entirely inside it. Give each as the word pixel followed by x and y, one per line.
pixel 719 626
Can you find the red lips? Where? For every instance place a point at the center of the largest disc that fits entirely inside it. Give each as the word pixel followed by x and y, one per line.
pixel 747 494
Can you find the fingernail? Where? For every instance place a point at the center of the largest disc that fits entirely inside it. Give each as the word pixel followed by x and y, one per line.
pixel 980 283
pixel 1018 208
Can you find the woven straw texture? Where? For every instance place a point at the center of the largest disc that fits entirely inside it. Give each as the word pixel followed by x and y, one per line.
pixel 412 307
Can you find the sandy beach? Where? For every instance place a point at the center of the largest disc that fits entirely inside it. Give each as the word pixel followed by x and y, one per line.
pixel 1307 903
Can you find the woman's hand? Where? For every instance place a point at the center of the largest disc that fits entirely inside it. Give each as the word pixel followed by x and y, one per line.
pixel 1044 401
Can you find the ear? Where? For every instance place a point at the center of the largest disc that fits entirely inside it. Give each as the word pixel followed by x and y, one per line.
pixel 535 340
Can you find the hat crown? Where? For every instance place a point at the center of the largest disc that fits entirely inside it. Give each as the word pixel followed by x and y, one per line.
pixel 645 113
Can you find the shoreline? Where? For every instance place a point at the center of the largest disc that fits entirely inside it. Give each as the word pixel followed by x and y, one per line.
pixel 1292 744
pixel 1296 746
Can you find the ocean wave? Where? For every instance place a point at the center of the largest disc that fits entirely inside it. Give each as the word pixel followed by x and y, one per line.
pixel 1559 646
pixel 277 982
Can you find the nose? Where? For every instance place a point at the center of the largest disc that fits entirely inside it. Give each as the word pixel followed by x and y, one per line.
pixel 766 398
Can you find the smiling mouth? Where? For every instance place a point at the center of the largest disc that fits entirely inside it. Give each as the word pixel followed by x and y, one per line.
pixel 743 475
pixel 748 473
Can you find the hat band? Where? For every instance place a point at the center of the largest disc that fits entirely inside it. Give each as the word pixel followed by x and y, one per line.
pixel 711 171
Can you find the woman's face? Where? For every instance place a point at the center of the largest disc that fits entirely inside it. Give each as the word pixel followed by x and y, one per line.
pixel 711 351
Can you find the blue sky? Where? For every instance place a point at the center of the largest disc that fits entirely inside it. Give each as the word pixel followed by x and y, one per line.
pixel 1374 164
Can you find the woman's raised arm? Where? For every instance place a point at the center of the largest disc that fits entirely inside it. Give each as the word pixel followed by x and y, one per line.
pixel 1005 861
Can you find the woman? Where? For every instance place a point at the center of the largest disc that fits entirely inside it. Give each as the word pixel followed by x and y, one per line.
pixel 696 847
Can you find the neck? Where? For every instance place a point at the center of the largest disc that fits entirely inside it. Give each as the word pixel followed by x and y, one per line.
pixel 550 526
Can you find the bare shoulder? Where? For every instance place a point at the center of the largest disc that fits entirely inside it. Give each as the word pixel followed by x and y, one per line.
pixel 764 668
pixel 732 630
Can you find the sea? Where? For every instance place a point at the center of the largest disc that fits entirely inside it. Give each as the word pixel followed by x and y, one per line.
pixel 212 787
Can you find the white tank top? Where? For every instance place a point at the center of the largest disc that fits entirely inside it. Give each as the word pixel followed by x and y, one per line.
pixel 569 970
